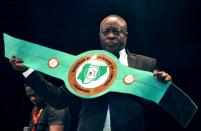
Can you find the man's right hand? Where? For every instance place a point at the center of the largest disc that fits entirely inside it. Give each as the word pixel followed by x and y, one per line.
pixel 16 63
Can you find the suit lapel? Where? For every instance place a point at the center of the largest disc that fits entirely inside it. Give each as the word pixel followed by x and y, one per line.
pixel 132 61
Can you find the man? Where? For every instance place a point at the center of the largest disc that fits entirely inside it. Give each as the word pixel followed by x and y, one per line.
pixel 44 117
pixel 112 111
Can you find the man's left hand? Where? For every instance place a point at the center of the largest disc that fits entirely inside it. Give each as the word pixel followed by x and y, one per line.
pixel 162 76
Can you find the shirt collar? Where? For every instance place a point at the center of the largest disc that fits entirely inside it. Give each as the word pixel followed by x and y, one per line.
pixel 122 52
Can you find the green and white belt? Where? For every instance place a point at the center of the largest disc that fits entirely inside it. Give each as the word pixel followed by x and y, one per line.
pixel 95 73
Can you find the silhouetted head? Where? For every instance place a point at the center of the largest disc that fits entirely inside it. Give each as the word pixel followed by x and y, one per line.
pixel 35 99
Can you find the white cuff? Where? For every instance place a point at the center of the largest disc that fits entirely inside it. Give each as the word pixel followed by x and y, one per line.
pixel 27 72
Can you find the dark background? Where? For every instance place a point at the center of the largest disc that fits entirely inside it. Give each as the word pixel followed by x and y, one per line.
pixel 168 30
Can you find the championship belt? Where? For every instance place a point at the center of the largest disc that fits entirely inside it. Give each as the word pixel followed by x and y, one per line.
pixel 95 73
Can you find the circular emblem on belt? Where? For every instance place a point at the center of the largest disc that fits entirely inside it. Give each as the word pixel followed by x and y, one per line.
pixel 53 62
pixel 92 74
pixel 128 79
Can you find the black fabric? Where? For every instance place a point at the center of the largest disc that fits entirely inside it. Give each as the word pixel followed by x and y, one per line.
pixel 51 116
pixel 126 111
pixel 116 54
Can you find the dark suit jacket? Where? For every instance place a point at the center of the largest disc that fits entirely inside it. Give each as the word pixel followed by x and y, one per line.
pixel 126 111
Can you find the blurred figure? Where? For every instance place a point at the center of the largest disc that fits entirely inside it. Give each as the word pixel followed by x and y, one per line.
pixel 44 117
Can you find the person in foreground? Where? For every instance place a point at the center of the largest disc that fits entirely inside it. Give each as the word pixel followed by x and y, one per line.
pixel 112 111
pixel 44 117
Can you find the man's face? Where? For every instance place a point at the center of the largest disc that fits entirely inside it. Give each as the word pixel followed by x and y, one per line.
pixel 113 35
pixel 36 100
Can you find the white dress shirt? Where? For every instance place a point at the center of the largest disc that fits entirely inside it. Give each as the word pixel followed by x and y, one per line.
pixel 124 61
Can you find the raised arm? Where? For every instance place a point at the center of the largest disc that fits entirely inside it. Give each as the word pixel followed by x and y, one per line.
pixel 57 97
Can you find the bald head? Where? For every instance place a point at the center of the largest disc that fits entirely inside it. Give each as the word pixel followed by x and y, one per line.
pixel 114 19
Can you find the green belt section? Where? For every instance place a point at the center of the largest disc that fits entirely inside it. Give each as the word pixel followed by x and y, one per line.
pixel 36 57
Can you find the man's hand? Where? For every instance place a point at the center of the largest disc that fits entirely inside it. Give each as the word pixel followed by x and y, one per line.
pixel 16 63
pixel 162 76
